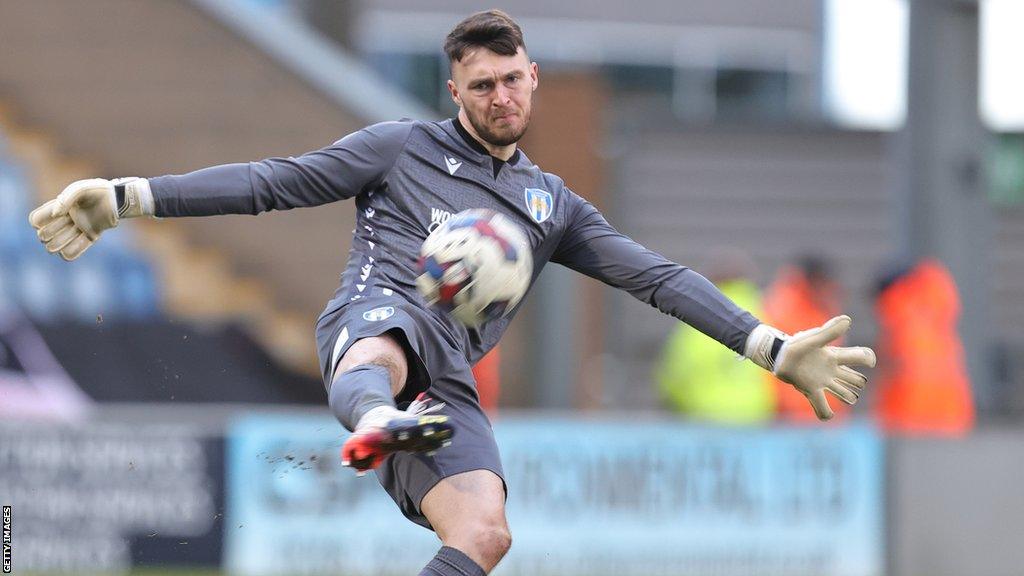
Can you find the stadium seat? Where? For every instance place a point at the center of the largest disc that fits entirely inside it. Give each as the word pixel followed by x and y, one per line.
pixel 112 279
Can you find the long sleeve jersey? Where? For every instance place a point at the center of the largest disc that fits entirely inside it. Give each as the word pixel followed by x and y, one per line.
pixel 407 178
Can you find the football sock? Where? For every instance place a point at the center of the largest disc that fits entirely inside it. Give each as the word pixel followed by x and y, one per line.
pixel 452 562
pixel 355 392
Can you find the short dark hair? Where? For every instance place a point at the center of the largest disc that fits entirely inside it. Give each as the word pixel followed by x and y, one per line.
pixel 491 29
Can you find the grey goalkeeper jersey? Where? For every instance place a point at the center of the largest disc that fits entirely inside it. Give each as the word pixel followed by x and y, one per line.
pixel 407 178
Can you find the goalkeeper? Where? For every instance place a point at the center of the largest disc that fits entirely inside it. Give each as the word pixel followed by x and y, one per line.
pixel 381 348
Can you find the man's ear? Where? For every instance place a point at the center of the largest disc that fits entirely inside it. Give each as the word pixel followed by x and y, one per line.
pixel 534 74
pixel 454 91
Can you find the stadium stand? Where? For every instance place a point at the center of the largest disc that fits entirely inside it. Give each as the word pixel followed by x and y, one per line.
pixel 113 280
pixel 769 193
pixel 114 296
pixel 137 272
pixel 286 93
pixel 196 363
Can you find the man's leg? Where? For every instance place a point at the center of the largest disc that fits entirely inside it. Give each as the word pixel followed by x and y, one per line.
pixel 468 513
pixel 368 377
pixel 370 374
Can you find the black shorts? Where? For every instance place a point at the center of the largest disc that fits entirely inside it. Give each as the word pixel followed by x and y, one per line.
pixel 436 366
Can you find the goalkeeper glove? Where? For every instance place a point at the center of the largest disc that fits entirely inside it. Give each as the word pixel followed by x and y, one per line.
pixel 74 220
pixel 806 361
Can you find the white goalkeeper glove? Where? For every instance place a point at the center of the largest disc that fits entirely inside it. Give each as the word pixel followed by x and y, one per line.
pixel 74 220
pixel 806 361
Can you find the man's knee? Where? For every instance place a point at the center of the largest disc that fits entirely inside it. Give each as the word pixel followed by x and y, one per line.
pixel 485 541
pixel 468 512
pixel 492 540
pixel 385 351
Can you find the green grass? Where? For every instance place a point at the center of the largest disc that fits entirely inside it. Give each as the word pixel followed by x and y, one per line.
pixel 151 572
pixel 182 572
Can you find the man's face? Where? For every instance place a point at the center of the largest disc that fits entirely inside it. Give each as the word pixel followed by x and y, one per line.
pixel 495 92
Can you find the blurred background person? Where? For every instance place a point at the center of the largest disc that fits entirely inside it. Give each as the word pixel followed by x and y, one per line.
pixel 803 295
pixel 923 387
pixel 699 378
pixel 488 379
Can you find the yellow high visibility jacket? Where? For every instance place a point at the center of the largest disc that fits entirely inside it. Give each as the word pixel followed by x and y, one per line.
pixel 702 379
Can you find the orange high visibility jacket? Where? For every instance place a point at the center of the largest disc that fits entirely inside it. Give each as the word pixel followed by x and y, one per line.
pixel 488 380
pixel 792 304
pixel 923 386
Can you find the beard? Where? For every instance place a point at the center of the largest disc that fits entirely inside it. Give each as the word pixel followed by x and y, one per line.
pixel 501 137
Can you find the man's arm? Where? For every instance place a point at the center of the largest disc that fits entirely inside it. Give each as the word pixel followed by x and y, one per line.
pixel 592 246
pixel 356 163
pixel 73 221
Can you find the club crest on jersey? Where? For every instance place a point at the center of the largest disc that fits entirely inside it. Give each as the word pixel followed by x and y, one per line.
pixel 378 314
pixel 539 204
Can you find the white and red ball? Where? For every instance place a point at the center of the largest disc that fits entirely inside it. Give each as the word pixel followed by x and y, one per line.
pixel 476 266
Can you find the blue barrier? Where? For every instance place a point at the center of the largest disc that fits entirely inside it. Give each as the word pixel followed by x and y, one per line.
pixel 586 497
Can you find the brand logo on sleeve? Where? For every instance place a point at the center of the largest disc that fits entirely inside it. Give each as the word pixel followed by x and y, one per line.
pixel 539 204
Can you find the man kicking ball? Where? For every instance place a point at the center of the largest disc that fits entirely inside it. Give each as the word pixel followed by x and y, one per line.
pixel 398 372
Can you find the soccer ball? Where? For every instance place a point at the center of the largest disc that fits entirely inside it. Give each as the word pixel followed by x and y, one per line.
pixel 476 266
